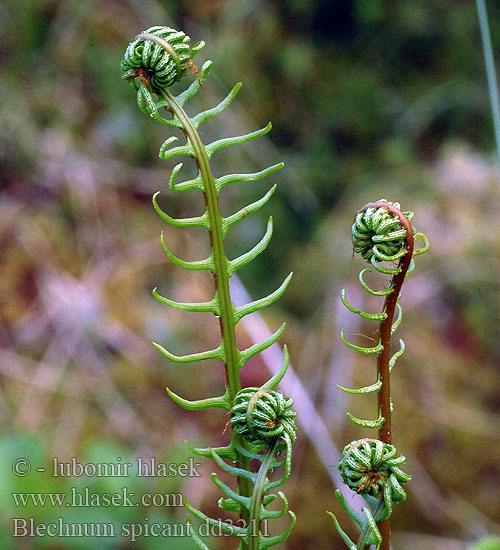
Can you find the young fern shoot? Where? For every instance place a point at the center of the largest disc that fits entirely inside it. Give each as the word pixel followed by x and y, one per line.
pixel 383 235
pixel 261 418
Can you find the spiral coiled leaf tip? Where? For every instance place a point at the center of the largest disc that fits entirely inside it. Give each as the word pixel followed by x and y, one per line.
pixel 157 64
pixel 378 232
pixel 370 467
pixel 260 416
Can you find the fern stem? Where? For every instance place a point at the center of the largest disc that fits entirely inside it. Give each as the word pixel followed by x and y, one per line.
pixel 366 531
pixel 221 276
pixel 383 359
pixel 490 71
pixel 383 235
pixel 258 493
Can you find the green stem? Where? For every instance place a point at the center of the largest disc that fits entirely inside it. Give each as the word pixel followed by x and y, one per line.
pixel 258 493
pixel 490 71
pixel 366 531
pixel 221 277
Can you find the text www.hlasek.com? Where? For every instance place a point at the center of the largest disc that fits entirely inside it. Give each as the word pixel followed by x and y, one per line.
pixel 84 498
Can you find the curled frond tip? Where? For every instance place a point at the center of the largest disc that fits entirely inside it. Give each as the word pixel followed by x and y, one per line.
pixel 370 467
pixel 260 415
pixel 158 57
pixel 378 233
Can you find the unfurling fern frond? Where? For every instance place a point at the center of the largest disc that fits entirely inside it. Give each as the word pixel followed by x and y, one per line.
pixel 372 469
pixel 382 234
pixel 155 60
pixel 260 415
pixel 264 420
pixel 384 237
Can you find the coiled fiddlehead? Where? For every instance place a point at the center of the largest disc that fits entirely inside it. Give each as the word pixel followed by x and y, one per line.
pixel 160 67
pixel 384 236
pixel 260 416
pixel 372 469
pixel 377 234
pixel 155 60
pixel 264 419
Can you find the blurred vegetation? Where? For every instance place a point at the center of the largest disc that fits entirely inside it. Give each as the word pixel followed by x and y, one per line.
pixel 486 543
pixel 368 99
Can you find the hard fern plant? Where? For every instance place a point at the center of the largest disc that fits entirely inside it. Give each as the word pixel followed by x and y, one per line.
pixel 261 419
pixel 384 237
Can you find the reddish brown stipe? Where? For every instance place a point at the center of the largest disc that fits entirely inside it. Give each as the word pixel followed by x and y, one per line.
pixel 384 395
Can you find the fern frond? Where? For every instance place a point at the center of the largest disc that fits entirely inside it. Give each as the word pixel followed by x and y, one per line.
pixel 221 402
pixel 370 316
pixel 217 353
pixel 394 358
pixel 228 179
pixel 198 221
pixel 373 350
pixel 199 543
pixel 201 307
pixel 274 432
pixel 373 424
pixel 382 269
pixel 370 467
pixel 383 292
pixel 200 265
pixel 179 151
pixel 252 307
pixel 366 389
pixel 234 501
pixel 156 59
pixel 425 244
pixel 244 212
pixel 276 378
pixel 267 542
pixel 214 111
pixel 384 236
pixel 246 258
pixel 239 472
pixel 194 87
pixel 257 348
pixel 188 185
pixel 227 452
pixel 223 526
pixel 215 146
pixel 397 321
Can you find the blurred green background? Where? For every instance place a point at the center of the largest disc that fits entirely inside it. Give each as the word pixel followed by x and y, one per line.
pixel 368 99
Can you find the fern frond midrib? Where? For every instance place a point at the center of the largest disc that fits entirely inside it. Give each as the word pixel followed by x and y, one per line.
pixel 221 274
pixel 258 492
